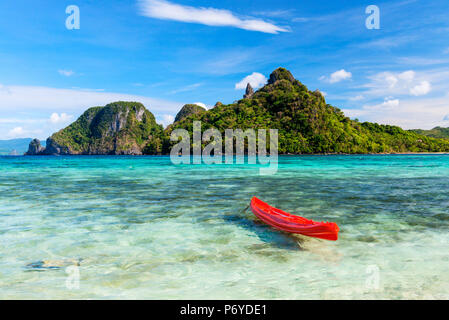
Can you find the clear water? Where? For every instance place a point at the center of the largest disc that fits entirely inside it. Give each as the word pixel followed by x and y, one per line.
pixel 142 228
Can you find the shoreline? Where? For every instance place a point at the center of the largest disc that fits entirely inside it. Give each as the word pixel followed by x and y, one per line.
pixel 283 154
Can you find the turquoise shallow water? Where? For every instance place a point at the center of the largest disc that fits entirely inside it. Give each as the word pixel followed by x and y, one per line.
pixel 142 228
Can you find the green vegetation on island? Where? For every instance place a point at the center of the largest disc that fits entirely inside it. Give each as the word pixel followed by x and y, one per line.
pixel 119 128
pixel 437 132
pixel 305 122
pixel 188 110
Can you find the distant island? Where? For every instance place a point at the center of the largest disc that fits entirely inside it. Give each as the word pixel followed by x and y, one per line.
pixel 306 124
pixel 437 132
pixel 14 146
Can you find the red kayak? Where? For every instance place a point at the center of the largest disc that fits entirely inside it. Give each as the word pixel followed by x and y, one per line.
pixel 294 224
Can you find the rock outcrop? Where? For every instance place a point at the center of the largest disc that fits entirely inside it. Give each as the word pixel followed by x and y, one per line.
pixel 119 128
pixel 249 92
pixel 281 74
pixel 188 110
pixel 53 148
pixel 35 148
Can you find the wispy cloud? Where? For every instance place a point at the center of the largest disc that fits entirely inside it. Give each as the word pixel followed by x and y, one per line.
pixel 420 61
pixel 18 120
pixel 66 73
pixel 228 62
pixel 387 43
pixel 31 98
pixel 166 10
pixel 186 88
pixel 255 79
pixel 356 98
pixel 301 19
pixel 275 13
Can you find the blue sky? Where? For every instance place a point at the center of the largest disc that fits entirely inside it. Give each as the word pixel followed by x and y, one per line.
pixel 168 53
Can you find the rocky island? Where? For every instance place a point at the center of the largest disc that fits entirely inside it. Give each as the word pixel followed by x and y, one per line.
pixel 188 110
pixel 306 124
pixel 119 128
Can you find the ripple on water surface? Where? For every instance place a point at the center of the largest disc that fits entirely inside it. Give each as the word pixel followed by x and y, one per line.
pixel 139 227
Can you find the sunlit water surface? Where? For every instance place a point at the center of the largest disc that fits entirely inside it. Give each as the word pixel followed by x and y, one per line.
pixel 142 228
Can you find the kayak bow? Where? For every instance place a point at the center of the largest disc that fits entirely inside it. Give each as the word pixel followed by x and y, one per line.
pixel 294 224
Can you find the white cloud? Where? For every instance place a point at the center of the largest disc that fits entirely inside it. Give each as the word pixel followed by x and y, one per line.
pixel 323 93
pixel 275 13
pixel 357 98
pixel 45 99
pixel 389 103
pixel 28 107
pixel 395 80
pixel 59 119
pixel 166 119
pixel 20 132
pixel 403 83
pixel 17 132
pixel 301 19
pixel 340 75
pixel 255 79
pixel 420 61
pixel 200 104
pixel 421 89
pixel 190 87
pixel 391 81
pixel 66 73
pixel 407 76
pixel 387 42
pixel 166 10
pixel 17 120
pixel 223 63
pixel 408 114
pixel 337 76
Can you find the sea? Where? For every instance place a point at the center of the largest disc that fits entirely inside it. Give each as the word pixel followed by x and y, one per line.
pixel 141 227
